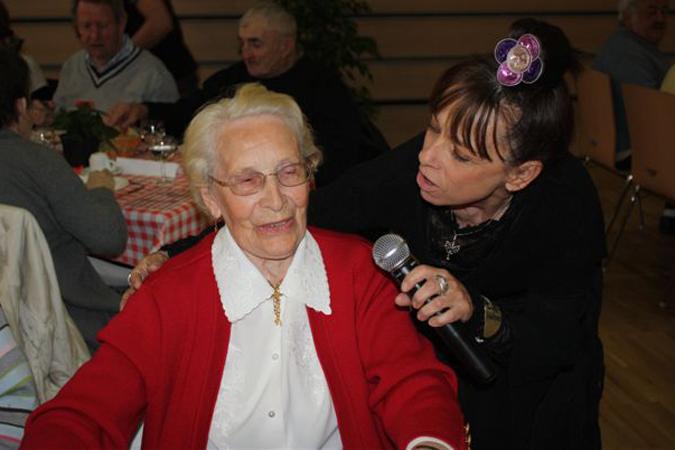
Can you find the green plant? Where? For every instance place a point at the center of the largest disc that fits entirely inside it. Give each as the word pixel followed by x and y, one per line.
pixel 84 124
pixel 328 34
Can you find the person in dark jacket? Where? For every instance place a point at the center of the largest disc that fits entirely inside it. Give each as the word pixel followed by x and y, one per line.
pixel 153 25
pixel 509 231
pixel 272 57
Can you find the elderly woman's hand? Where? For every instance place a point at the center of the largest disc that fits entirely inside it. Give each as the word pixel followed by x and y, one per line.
pixel 452 305
pixel 149 264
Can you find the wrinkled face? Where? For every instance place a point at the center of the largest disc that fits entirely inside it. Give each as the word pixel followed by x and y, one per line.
pixel 99 33
pixel 267 225
pixel 265 52
pixel 648 19
pixel 451 175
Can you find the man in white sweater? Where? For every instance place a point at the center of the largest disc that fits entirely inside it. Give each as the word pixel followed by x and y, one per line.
pixel 110 68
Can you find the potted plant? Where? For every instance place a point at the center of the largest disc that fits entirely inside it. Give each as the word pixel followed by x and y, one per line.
pixel 328 34
pixel 84 132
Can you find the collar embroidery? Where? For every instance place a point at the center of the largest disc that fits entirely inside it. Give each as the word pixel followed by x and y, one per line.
pixel 243 288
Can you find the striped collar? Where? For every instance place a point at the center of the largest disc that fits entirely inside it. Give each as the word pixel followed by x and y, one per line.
pixel 127 54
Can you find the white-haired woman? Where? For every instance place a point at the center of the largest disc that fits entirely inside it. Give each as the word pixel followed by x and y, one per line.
pixel 266 334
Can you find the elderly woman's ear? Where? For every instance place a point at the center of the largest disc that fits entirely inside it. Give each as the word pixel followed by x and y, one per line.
pixel 520 176
pixel 210 201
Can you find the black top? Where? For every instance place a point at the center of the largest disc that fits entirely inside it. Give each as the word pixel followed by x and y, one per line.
pixel 172 49
pixel 322 96
pixel 541 264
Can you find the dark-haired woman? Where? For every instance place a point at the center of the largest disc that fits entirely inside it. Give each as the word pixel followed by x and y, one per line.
pixel 490 200
pixel 492 203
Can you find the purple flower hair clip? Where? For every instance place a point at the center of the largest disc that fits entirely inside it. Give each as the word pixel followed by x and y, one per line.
pixel 519 60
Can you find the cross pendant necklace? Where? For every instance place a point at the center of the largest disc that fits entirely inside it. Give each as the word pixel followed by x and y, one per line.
pixel 451 247
pixel 276 303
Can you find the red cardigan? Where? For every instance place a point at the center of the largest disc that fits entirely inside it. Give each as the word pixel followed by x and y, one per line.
pixel 162 359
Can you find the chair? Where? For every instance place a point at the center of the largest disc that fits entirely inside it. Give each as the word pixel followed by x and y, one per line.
pixel 597 128
pixel 32 304
pixel 650 115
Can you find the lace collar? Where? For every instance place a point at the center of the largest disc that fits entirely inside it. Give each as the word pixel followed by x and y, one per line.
pixel 243 288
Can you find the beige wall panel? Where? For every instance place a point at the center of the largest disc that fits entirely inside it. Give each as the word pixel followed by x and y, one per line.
pixel 61 8
pixel 400 123
pixel 458 6
pixel 38 8
pixel 212 40
pixel 405 80
pixel 463 35
pixel 215 7
pixel 48 43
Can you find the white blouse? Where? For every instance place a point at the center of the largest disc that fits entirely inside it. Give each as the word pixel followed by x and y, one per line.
pixel 273 393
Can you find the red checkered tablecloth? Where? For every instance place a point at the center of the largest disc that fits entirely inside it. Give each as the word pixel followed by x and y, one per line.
pixel 157 214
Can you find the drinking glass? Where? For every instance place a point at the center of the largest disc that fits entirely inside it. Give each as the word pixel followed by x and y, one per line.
pixel 162 148
pixel 151 131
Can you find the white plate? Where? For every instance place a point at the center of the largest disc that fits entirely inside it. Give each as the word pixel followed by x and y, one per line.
pixel 120 182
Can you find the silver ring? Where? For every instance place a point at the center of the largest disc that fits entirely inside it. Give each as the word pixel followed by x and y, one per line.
pixel 129 278
pixel 443 285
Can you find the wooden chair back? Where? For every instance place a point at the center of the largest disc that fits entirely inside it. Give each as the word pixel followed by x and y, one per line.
pixel 597 130
pixel 651 123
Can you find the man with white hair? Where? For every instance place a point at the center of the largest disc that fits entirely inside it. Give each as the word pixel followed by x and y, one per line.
pixel 272 56
pixel 631 55
pixel 110 68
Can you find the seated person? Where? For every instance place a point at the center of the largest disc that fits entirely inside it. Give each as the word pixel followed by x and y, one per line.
pixel 40 92
pixel 631 55
pixel 76 220
pixel 191 342
pixel 153 25
pixel 271 55
pixel 9 39
pixel 110 68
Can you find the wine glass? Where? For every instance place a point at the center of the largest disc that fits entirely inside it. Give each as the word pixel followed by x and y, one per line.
pixel 152 131
pixel 162 148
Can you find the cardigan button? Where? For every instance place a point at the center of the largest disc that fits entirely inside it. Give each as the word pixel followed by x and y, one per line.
pixel 271 414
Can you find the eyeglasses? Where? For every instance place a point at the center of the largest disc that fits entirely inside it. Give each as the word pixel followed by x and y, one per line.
pixel 249 183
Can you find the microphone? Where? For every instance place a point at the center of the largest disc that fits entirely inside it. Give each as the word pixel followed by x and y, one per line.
pixel 391 254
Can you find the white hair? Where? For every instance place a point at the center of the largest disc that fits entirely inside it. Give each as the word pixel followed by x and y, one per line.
pixel 251 99
pixel 277 17
pixel 625 5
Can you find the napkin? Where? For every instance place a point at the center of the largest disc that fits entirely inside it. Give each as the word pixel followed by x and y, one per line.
pixel 147 167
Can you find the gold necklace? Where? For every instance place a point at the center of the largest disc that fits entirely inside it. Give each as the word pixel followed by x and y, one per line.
pixel 276 303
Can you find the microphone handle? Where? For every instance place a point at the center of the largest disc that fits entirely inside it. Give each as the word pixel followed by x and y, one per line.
pixel 474 362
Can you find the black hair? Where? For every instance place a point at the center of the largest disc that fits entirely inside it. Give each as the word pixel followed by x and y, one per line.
pixel 538 116
pixel 7 36
pixel 14 84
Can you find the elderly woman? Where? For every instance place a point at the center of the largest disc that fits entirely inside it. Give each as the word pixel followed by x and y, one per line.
pixel 266 334
pixel 492 202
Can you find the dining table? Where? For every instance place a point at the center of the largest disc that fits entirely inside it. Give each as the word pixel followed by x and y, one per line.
pixel 156 214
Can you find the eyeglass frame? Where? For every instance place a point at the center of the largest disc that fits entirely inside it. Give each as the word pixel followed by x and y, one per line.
pixel 308 165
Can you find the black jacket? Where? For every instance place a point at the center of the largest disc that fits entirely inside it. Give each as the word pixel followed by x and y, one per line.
pixel 340 129
pixel 545 275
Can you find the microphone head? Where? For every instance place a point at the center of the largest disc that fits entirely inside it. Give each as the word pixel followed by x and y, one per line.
pixel 390 251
